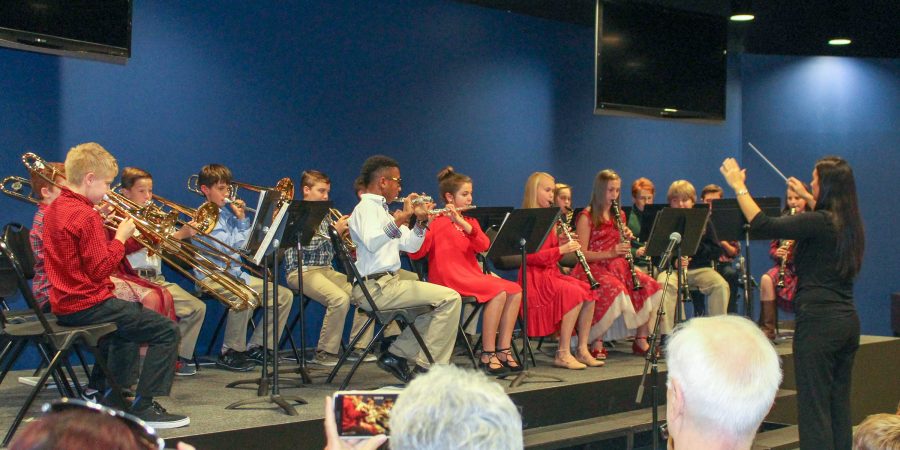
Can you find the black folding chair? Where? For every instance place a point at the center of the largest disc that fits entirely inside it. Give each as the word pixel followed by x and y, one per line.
pixel 383 316
pixel 55 337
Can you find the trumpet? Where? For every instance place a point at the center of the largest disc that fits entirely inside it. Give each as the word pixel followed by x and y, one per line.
pixel 336 215
pixel 786 245
pixel 14 187
pixel 635 281
pixel 154 228
pixel 579 255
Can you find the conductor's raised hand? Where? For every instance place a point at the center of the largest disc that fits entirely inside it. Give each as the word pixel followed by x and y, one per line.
pixel 734 175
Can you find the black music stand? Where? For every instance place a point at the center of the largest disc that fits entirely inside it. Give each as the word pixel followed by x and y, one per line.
pixel 490 216
pixel 731 225
pixel 690 223
pixel 304 219
pixel 268 228
pixel 523 232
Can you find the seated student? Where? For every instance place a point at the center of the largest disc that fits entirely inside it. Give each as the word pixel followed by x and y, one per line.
pixel 79 260
pixel 379 238
pixel 450 246
pixel 137 186
pixel 605 253
pixel 700 273
pixel 642 192
pixel 562 197
pixel 320 281
pixel 715 397
pixel 557 302
pixel 780 282
pixel 730 250
pixel 233 229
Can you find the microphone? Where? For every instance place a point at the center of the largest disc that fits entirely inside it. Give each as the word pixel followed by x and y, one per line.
pixel 674 239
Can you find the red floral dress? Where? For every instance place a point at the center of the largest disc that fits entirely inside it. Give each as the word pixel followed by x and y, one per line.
pixel 550 293
pixel 784 295
pixel 616 285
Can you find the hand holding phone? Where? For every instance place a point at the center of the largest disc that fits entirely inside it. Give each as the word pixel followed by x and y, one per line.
pixel 334 440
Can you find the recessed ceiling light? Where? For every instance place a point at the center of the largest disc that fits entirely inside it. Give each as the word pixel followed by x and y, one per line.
pixel 742 17
pixel 839 41
pixel 670 110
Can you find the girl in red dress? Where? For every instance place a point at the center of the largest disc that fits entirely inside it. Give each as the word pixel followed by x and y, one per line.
pixel 450 246
pixel 556 302
pixel 605 254
pixel 769 291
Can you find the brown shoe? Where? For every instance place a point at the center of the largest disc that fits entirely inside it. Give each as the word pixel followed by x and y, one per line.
pixel 767 318
pixel 567 361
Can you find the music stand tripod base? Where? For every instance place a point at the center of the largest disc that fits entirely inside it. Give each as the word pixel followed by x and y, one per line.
pixel 283 401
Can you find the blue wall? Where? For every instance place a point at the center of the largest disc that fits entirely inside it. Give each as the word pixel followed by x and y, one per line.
pixel 273 91
pixel 797 110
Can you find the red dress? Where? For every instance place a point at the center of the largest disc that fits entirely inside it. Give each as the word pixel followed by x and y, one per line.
pixel 616 287
pixel 550 293
pixel 451 260
pixel 784 295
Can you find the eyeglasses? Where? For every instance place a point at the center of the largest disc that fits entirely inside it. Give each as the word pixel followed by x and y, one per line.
pixel 144 433
pixel 398 180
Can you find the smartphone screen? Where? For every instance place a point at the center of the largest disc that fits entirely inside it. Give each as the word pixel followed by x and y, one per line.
pixel 363 414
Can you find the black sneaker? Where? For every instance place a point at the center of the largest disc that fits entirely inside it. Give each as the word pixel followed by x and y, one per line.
pixel 157 417
pixel 255 354
pixel 234 361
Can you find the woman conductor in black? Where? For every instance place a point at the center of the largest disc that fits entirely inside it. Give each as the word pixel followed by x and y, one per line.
pixel 829 252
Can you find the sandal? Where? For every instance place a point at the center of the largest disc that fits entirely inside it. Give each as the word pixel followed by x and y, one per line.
pixel 568 363
pixel 599 353
pixel 493 365
pixel 636 349
pixel 508 361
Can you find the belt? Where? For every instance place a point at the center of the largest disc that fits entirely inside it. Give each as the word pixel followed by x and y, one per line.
pixel 147 273
pixel 378 275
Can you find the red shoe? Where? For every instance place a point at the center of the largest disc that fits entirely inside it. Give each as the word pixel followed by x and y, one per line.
pixel 599 354
pixel 636 349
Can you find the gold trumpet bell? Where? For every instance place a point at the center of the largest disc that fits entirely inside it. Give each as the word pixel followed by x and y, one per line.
pixel 206 217
pixel 286 187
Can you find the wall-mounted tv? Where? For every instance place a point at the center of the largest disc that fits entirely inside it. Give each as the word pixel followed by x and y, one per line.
pixel 659 62
pixel 93 29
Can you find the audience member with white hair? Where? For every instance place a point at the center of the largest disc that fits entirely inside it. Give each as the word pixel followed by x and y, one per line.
pixel 446 408
pixel 723 375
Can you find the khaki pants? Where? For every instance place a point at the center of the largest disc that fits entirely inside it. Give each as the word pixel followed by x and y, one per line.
pixel 236 325
pixel 190 311
pixel 331 289
pixel 438 327
pixel 707 281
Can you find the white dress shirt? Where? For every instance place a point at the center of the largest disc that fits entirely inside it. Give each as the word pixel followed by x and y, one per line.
pixel 141 260
pixel 378 239
pixel 232 232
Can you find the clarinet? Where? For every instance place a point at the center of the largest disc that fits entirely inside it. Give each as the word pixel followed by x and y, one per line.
pixel 564 227
pixel 635 281
pixel 786 244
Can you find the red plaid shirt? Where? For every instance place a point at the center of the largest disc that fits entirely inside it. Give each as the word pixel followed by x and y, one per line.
pixel 79 256
pixel 40 285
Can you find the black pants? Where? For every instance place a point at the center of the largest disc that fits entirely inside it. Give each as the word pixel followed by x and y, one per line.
pixel 824 348
pixel 730 274
pixel 135 326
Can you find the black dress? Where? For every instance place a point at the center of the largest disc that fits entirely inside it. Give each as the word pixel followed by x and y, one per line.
pixel 827 334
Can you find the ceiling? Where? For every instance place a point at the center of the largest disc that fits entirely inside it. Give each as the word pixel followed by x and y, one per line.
pixel 781 27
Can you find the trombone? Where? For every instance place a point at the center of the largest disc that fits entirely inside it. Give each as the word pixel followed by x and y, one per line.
pixel 154 228
pixel 14 186
pixel 284 187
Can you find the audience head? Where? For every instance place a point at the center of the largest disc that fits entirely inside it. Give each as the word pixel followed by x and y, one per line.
pixel 42 188
pixel 453 407
pixel 72 424
pixel 878 432
pixel 562 196
pixel 834 188
pixel 607 187
pixel 137 185
pixel 214 182
pixel 455 188
pixel 642 192
pixel 711 192
pixel 682 194
pixel 722 380
pixel 381 176
pixel 90 170
pixel 316 185
pixel 539 190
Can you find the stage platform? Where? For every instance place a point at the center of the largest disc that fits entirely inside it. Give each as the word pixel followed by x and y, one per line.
pixel 589 406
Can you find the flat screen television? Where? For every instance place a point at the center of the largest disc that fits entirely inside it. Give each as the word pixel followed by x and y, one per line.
pixel 93 29
pixel 659 62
